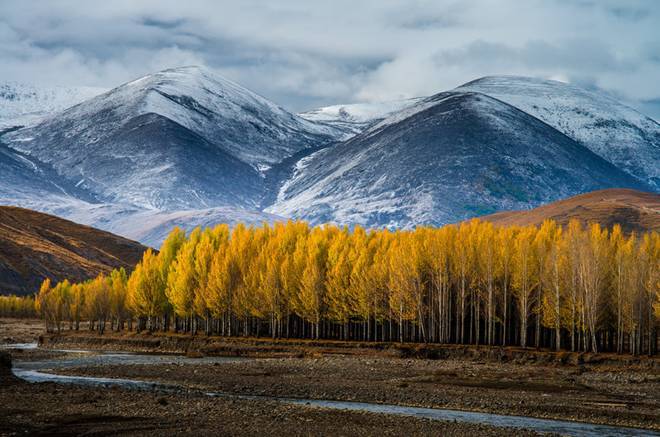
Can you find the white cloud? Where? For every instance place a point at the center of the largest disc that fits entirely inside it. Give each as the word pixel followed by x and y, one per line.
pixel 304 53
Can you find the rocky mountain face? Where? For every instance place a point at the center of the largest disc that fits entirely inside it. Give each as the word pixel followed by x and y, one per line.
pixel 187 147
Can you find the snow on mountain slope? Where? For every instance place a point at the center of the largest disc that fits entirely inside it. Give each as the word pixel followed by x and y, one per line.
pixel 615 132
pixel 23 178
pixel 355 117
pixel 23 104
pixel 154 226
pixel 179 139
pixel 451 156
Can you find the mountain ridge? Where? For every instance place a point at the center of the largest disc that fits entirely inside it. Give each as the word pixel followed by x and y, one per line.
pixel 417 148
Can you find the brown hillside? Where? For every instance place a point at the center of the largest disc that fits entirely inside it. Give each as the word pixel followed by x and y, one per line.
pixel 633 210
pixel 34 246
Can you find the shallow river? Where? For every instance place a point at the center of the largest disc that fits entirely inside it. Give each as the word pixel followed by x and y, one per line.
pixel 46 371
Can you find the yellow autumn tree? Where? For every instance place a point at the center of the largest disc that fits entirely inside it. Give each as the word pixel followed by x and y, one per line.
pixel 313 256
pixel 553 278
pixel 524 277
pixel 182 281
pixel 339 297
pixel 404 282
pixel 118 310
pixel 505 257
pixel 77 304
pixel 146 292
pixel 593 255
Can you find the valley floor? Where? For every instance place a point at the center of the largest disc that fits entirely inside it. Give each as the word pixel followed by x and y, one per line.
pixel 609 391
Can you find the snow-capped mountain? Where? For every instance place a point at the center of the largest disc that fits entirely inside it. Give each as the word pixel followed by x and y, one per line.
pixel 187 147
pixel 183 146
pixel 24 104
pixel 448 157
pixel 355 117
pixel 179 139
pixel 614 131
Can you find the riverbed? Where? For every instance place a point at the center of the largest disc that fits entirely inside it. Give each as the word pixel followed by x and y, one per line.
pixel 103 370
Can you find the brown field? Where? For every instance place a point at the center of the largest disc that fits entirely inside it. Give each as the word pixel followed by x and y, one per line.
pixel 54 409
pixel 613 391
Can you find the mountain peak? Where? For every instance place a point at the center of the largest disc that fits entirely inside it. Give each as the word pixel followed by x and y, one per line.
pixel 512 79
pixel 191 78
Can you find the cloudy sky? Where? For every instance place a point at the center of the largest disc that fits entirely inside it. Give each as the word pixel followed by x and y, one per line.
pixel 305 54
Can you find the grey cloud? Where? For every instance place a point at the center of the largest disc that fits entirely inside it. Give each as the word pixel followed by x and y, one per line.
pixel 629 13
pixel 585 55
pixel 651 108
pixel 163 24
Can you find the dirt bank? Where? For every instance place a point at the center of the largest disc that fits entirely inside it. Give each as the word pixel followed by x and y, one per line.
pixel 20 330
pixel 264 347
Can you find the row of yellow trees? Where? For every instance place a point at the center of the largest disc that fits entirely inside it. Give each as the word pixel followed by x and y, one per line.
pixel 575 288
pixel 97 301
pixel 17 306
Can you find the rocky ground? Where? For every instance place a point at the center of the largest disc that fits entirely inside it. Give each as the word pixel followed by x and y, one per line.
pixel 54 410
